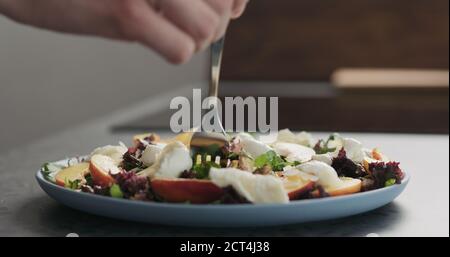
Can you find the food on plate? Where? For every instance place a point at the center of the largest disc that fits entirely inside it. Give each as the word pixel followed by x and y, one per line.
pixel 72 173
pixel 246 170
pixel 102 168
pixel 186 190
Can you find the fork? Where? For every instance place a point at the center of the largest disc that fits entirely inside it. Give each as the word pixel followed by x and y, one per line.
pixel 203 139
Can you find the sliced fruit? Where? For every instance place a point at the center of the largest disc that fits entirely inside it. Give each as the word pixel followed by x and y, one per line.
pixel 377 155
pixel 295 184
pixel 186 190
pixel 348 187
pixel 72 173
pixel 300 189
pixel 101 167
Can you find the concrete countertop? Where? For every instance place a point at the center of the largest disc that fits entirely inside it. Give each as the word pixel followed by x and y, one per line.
pixel 25 210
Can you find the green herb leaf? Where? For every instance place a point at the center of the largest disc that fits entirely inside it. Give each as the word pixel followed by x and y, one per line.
pixel 89 180
pixel 322 146
pixel 270 158
pixel 294 163
pixel 115 191
pixel 202 169
pixel 49 170
pixel 74 185
pixel 390 182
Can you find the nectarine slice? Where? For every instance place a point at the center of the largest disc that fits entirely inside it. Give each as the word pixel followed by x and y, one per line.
pixel 186 190
pixel 101 166
pixel 72 173
pixel 295 193
pixel 296 183
pixel 348 187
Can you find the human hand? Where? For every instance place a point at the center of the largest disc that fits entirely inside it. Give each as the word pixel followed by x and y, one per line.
pixel 176 29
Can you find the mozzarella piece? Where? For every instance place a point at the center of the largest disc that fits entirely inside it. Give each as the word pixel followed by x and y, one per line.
pixel 297 174
pixel 325 158
pixel 302 138
pixel 327 176
pixel 255 188
pixel 251 146
pixel 354 150
pixel 294 152
pixel 114 152
pixel 105 163
pixel 151 153
pixel 170 163
pixel 305 138
pixel 352 147
pixel 337 143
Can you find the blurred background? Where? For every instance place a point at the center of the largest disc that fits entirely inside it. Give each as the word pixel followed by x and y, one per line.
pixel 354 65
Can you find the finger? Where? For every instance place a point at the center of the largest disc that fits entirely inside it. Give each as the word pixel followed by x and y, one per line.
pixel 140 22
pixel 223 10
pixel 238 8
pixel 193 17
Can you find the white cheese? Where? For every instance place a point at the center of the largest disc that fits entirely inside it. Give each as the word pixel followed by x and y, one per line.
pixel 354 150
pixel 325 158
pixel 251 146
pixel 105 163
pixel 115 152
pixel 255 188
pixel 302 138
pixel 327 176
pixel 352 147
pixel 151 153
pixel 294 152
pixel 171 162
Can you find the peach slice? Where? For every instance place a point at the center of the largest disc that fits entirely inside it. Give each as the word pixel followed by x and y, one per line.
pixel 72 173
pixel 101 166
pixel 296 183
pixel 187 190
pixel 348 187
pixel 294 193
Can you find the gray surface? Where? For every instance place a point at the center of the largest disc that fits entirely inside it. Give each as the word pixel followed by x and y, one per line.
pixel 25 210
pixel 54 81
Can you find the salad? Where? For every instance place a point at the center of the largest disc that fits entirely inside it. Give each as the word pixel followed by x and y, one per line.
pixel 244 170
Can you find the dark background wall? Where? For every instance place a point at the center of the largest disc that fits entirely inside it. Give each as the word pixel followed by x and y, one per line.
pixel 309 39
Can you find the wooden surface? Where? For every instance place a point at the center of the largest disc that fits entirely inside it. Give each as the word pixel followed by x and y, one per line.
pixel 309 39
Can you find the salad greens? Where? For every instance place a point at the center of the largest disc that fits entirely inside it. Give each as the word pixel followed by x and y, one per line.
pixel 49 170
pixel 115 191
pixel 322 146
pixel 272 159
pixel 202 169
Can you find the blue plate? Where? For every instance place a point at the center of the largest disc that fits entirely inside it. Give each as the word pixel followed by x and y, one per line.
pixel 242 215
